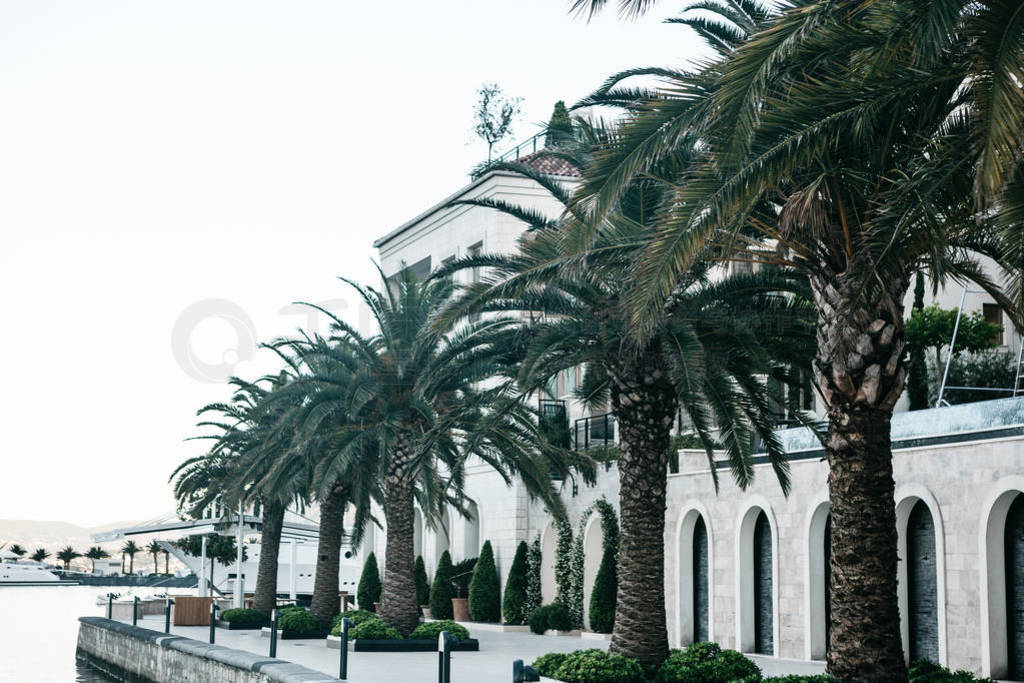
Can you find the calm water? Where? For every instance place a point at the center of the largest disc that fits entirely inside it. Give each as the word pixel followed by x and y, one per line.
pixel 39 631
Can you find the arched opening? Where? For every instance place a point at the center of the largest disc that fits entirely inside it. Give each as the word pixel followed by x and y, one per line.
pixel 1013 550
pixel 593 539
pixel 922 586
pixel 695 551
pixel 417 533
pixel 757 600
pixel 440 540
pixel 699 568
pixel 548 545
pixel 471 537
pixel 764 642
pixel 818 580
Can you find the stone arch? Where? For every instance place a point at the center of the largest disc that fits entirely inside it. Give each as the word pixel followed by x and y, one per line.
pixel 441 542
pixel 994 623
pixel 816 580
pixel 471 532
pixel 593 549
pixel 755 607
pixel 908 497
pixel 548 551
pixel 688 578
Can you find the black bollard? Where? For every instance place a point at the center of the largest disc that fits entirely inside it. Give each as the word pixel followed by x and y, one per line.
pixel 167 615
pixel 213 618
pixel 135 611
pixel 273 632
pixel 345 624
pixel 522 673
pixel 110 605
pixel 445 643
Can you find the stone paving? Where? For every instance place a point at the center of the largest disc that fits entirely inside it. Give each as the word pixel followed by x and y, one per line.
pixel 493 663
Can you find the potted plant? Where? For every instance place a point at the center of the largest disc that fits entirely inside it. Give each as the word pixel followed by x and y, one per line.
pixel 462 574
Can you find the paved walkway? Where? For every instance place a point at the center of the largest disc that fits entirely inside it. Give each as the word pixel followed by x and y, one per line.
pixel 493 663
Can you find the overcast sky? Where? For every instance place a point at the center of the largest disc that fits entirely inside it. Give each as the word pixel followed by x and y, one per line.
pixel 204 164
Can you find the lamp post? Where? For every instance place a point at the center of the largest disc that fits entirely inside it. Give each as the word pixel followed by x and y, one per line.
pixel 343 666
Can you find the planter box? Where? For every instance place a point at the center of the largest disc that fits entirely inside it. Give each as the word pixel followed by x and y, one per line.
pixel 590 635
pixel 555 632
pixel 233 626
pixel 460 609
pixel 292 635
pixel 364 645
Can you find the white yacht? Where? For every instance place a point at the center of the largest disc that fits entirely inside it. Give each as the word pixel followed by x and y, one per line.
pixel 17 572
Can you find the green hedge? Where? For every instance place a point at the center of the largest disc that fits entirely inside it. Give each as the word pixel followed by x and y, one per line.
pixel 368 591
pixel 244 616
pixel 484 591
pixel 356 616
pixel 298 621
pixel 430 630
pixel 441 589
pixel 924 671
pixel 419 575
pixel 707 663
pixel 589 666
pixel 602 596
pixel 554 616
pixel 375 629
pixel 513 603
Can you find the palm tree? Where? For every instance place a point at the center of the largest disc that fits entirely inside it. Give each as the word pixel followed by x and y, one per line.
pixel 96 553
pixel 67 554
pixel 154 548
pixel 410 395
pixel 129 549
pixel 40 554
pixel 708 353
pixel 858 142
pixel 18 550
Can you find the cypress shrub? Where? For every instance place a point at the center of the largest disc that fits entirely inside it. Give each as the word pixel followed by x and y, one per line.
pixel 514 601
pixel 484 591
pixel 441 589
pixel 419 574
pixel 602 597
pixel 533 589
pixel 368 591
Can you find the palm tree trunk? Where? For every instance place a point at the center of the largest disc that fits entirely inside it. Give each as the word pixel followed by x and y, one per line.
pixel 859 367
pixel 265 596
pixel 167 562
pixel 131 564
pixel 398 595
pixel 325 603
pixel 643 401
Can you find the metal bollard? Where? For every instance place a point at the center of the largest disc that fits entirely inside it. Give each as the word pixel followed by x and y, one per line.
pixel 445 644
pixel 110 605
pixel 167 615
pixel 273 632
pixel 345 624
pixel 135 611
pixel 213 619
pixel 522 673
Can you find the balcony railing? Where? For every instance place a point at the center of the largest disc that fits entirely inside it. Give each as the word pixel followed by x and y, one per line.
pixel 593 431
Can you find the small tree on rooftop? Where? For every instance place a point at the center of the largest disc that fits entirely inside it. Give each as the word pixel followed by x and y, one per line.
pixel 484 591
pixel 513 603
pixel 441 589
pixel 494 114
pixel 368 591
pixel 560 125
pixel 932 328
pixel 419 574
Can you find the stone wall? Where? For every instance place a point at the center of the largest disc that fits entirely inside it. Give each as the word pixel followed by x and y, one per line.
pixel 134 653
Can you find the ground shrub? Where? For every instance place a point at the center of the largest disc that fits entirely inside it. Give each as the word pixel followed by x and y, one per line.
pixel 706 663
pixel 298 621
pixel 441 589
pixel 602 596
pixel 244 617
pixel 419 575
pixel 375 629
pixel 484 592
pixel 598 666
pixel 430 630
pixel 539 619
pixel 290 607
pixel 356 616
pixel 925 671
pixel 368 591
pixel 514 601
pixel 554 616
pixel 547 665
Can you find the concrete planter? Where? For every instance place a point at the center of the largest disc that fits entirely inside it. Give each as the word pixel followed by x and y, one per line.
pixel 425 609
pixel 590 635
pixel 556 632
pixel 234 626
pixel 292 635
pixel 365 645
pixel 497 628
pixel 460 609
pixel 122 610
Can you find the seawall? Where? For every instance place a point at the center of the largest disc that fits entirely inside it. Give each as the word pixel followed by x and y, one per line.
pixel 130 653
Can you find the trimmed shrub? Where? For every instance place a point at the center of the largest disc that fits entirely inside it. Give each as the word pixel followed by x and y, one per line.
pixel 706 663
pixel 547 665
pixel 290 607
pixel 356 616
pixel 926 671
pixel 368 591
pixel 484 592
pixel 513 603
pixel 375 629
pixel 817 678
pixel 298 621
pixel 554 616
pixel 602 596
pixel 441 589
pixel 419 575
pixel 539 620
pixel 534 597
pixel 430 630
pixel 598 666
pixel 242 616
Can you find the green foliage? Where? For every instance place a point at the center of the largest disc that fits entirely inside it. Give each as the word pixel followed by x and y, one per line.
pixel 369 588
pixel 706 663
pixel 218 547
pixel 794 678
pixel 589 666
pixel 554 616
pixel 441 589
pixel 563 561
pixel 375 629
pixel 932 328
pixel 462 575
pixel 484 591
pixel 419 575
pixel 494 115
pixel 925 671
pixel 249 617
pixel 917 377
pixel 514 600
pixel 559 126
pixel 538 620
pixel 429 630
pixel 993 369
pixel 356 616
pixel 602 596
pixel 298 621
pixel 534 595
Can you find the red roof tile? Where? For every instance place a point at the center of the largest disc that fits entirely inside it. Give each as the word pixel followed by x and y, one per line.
pixel 550 165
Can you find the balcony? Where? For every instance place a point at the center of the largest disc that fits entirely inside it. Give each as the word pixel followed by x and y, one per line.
pixel 594 431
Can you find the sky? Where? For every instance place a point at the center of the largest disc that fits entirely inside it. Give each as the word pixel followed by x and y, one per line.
pixel 173 176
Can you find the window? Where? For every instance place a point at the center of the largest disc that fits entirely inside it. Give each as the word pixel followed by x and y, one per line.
pixel 993 314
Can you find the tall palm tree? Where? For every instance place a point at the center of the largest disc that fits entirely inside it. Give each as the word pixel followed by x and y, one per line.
pixel 860 141
pixel 154 548
pixel 414 393
pixel 96 553
pixel 713 344
pixel 40 554
pixel 129 549
pixel 66 554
